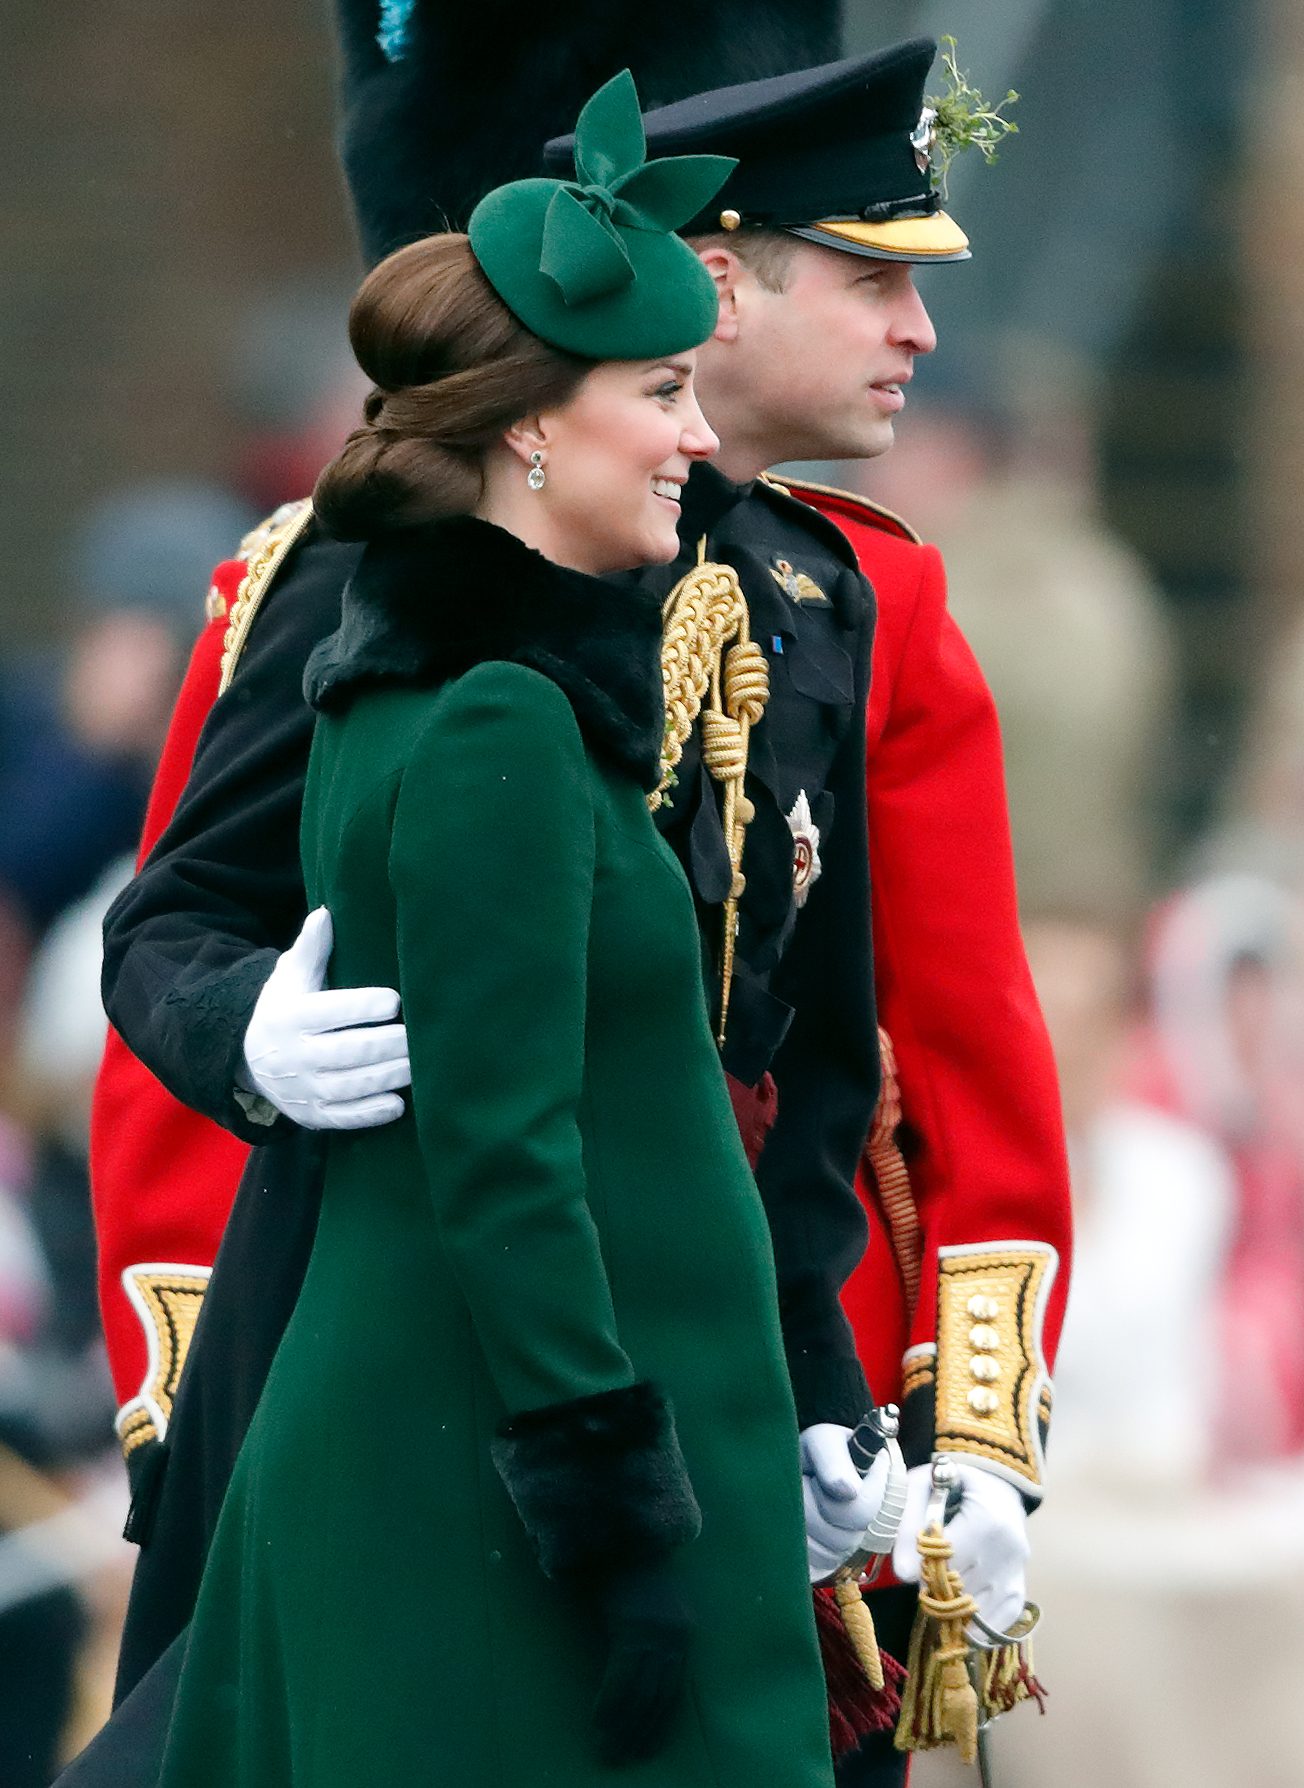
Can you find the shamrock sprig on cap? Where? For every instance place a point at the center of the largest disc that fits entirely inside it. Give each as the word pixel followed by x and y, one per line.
pixel 964 119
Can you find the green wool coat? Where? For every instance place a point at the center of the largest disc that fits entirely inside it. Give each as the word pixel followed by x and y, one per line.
pixel 565 1209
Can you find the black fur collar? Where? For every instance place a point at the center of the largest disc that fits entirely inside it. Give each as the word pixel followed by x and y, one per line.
pixel 428 603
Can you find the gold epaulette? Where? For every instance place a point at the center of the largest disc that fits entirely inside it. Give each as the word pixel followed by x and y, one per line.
pixel 264 550
pixel 875 513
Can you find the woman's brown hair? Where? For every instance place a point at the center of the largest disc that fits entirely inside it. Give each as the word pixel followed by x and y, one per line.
pixel 452 369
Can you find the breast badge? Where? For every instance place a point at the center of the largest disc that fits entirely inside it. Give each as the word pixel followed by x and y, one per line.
pixel 796 586
pixel 805 849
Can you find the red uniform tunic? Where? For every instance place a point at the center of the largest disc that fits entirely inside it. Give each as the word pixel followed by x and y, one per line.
pixel 162 1177
pixel 981 1134
pixel 984 1224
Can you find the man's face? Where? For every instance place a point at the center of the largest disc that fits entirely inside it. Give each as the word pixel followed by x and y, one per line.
pixel 825 361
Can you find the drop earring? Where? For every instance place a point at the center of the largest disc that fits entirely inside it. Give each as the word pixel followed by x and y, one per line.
pixel 536 477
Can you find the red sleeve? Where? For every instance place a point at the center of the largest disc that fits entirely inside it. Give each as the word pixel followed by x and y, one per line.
pixel 981 1133
pixel 162 1177
pixel 197 695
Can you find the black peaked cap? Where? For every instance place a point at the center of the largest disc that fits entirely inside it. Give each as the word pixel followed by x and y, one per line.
pixel 482 84
pixel 837 153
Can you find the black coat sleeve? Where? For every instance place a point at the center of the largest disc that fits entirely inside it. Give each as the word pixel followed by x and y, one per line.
pixel 826 1072
pixel 190 942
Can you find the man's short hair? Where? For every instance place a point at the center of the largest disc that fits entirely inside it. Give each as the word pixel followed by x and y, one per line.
pixel 765 253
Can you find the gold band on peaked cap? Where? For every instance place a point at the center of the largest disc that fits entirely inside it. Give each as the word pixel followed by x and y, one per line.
pixel 923 239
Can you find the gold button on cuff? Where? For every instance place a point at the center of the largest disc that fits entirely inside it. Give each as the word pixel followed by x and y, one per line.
pixel 990 1361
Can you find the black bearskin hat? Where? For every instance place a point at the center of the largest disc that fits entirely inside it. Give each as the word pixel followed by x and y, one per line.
pixel 480 86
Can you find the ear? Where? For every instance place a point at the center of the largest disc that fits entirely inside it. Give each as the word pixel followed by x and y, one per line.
pixel 728 273
pixel 529 435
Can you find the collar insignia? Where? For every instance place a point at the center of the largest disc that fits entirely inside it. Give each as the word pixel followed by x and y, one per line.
pixel 796 586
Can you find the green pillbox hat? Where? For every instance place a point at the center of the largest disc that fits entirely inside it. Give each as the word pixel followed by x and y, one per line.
pixel 593 265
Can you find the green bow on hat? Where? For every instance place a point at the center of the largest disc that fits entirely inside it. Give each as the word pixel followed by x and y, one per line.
pixel 593 265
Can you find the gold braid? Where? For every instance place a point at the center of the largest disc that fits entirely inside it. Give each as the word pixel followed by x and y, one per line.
pixel 705 610
pixel 264 550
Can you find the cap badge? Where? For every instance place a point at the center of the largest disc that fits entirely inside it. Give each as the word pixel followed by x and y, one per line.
pixel 923 136
pixel 796 586
pixel 806 864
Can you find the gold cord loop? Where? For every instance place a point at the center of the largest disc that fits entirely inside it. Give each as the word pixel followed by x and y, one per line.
pixel 704 612
pixel 952 1689
pixel 746 681
pixel 940 1705
pixel 723 747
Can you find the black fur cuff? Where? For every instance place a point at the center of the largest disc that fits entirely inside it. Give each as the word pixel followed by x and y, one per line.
pixel 599 1481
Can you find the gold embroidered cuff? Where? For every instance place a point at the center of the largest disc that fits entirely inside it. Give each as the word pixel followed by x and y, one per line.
pixel 992 1393
pixel 167 1299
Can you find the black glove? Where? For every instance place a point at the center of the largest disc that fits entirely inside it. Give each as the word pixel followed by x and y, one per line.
pixel 648 1627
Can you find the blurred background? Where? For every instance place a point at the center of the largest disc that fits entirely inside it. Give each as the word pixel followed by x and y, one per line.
pixel 1108 446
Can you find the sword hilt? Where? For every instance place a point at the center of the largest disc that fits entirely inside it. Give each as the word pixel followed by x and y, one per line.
pixel 875 1433
pixel 871 1434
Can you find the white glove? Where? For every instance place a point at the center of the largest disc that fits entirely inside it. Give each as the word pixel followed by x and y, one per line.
pixel 839 1503
pixel 326 1059
pixel 988 1535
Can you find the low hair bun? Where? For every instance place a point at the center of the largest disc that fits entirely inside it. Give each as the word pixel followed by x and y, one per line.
pixel 453 370
pixel 383 480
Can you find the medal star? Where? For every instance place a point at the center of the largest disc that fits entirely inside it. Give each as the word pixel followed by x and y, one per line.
pixel 805 849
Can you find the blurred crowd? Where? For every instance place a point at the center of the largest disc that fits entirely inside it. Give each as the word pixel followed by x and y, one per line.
pixel 81 726
pixel 1170 1553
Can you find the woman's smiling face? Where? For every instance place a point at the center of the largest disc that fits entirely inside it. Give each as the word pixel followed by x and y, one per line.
pixel 615 458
